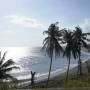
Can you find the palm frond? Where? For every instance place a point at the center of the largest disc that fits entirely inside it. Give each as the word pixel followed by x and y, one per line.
pixel 45 40
pixel 0 55
pixel 85 34
pixel 85 38
pixel 3 58
pixel 9 69
pixel 67 52
pixel 46 32
pixel 58 48
pixel 84 44
pixel 8 63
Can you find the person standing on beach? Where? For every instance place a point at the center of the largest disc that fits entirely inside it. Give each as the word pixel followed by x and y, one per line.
pixel 32 78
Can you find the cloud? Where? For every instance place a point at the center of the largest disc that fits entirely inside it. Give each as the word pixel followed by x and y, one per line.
pixel 24 21
pixel 86 25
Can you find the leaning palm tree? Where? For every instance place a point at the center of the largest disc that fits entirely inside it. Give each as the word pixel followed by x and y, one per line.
pixel 69 49
pixel 80 40
pixel 5 67
pixel 51 44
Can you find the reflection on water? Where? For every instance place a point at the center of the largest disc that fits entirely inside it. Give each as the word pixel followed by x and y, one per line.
pixel 33 59
pixel 15 52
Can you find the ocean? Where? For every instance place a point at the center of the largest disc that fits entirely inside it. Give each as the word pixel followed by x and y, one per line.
pixel 34 59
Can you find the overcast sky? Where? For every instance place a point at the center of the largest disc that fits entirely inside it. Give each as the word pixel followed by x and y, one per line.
pixel 22 22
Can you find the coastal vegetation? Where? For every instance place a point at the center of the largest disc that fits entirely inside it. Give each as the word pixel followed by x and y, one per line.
pixel 51 44
pixel 5 67
pixel 74 81
pixel 80 40
pixel 66 41
pixel 74 40
pixel 70 47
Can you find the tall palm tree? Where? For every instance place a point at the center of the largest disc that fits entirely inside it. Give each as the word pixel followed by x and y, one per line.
pixel 51 44
pixel 80 40
pixel 5 67
pixel 69 49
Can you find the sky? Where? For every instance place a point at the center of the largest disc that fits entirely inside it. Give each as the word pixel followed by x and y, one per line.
pixel 22 22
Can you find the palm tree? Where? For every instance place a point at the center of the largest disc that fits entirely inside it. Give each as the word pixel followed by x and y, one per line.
pixel 80 40
pixel 5 67
pixel 51 44
pixel 69 49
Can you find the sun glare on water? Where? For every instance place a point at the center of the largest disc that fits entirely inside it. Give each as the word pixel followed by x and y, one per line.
pixel 15 52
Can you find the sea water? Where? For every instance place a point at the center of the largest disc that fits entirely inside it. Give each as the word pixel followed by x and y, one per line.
pixel 36 60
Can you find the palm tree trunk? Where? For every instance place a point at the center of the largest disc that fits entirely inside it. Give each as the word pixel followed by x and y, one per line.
pixel 80 66
pixel 79 62
pixel 68 70
pixel 49 72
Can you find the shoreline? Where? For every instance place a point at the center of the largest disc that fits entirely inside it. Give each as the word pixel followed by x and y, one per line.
pixel 73 71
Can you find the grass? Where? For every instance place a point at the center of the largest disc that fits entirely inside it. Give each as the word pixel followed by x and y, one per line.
pixel 7 86
pixel 75 82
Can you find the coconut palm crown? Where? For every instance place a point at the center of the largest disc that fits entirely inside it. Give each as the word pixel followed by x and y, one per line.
pixel 5 67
